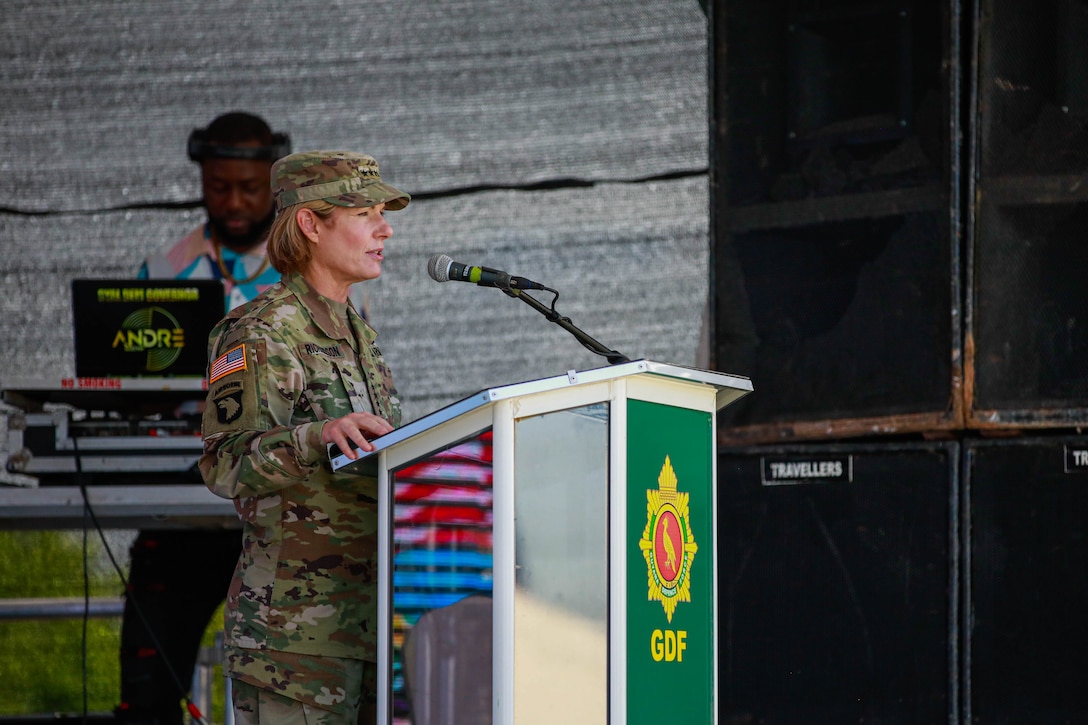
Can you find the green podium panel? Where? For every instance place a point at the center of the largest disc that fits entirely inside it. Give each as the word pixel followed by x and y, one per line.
pixel 670 564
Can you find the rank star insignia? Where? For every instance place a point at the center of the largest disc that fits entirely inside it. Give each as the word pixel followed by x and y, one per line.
pixel 667 543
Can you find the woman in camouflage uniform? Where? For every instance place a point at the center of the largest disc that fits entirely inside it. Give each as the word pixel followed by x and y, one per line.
pixel 292 371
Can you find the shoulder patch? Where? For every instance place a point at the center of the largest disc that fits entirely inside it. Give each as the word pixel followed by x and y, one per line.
pixel 234 402
pixel 229 362
pixel 229 402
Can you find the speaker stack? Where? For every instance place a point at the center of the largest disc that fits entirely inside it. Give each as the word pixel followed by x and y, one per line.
pixel 1025 655
pixel 1027 334
pixel 899 208
pixel 838 584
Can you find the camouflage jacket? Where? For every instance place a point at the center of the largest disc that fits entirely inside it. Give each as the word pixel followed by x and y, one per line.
pixel 283 364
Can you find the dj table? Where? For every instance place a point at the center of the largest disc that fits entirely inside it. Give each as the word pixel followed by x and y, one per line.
pixel 131 444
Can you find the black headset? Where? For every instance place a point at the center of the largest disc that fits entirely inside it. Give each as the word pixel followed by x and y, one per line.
pixel 199 148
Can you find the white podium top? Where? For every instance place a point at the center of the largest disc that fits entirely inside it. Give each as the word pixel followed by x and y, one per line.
pixel 729 387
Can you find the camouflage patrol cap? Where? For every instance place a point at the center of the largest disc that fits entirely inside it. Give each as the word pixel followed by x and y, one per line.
pixel 344 178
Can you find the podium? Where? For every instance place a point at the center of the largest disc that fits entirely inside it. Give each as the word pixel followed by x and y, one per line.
pixel 547 551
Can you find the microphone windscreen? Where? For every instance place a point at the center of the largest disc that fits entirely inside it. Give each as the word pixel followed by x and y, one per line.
pixel 439 267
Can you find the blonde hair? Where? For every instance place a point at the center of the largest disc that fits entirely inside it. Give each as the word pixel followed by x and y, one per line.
pixel 288 248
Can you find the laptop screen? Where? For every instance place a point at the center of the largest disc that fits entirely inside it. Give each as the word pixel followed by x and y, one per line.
pixel 144 328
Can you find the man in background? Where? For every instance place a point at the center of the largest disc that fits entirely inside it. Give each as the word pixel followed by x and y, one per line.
pixel 235 154
pixel 178 578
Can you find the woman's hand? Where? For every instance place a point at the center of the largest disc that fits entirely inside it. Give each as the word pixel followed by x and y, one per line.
pixel 353 431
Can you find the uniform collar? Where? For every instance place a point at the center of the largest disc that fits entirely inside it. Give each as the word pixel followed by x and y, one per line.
pixel 338 320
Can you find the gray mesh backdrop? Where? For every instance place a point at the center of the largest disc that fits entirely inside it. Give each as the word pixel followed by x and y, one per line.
pixel 472 106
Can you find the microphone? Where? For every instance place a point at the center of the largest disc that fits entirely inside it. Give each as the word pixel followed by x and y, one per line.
pixel 443 269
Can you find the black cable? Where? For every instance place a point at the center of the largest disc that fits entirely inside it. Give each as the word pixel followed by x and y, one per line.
pixel 88 511
pixel 86 609
pixel 446 193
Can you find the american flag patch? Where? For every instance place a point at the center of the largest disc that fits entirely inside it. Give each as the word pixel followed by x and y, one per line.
pixel 227 363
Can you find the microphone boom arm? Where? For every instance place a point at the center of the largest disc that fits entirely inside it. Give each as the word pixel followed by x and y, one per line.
pixel 613 357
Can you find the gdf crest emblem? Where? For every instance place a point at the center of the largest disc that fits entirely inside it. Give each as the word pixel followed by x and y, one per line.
pixel 667 543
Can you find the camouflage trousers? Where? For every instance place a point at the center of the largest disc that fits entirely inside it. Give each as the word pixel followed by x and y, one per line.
pixel 254 706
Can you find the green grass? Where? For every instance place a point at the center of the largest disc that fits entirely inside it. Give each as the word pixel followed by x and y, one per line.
pixel 41 660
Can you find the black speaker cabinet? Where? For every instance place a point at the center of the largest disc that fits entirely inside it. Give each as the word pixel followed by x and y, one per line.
pixel 1026 592
pixel 1027 315
pixel 837 584
pixel 835 267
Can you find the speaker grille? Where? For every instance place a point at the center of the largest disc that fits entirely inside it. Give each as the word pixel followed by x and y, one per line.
pixel 1029 311
pixel 837 596
pixel 836 276
pixel 1027 655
